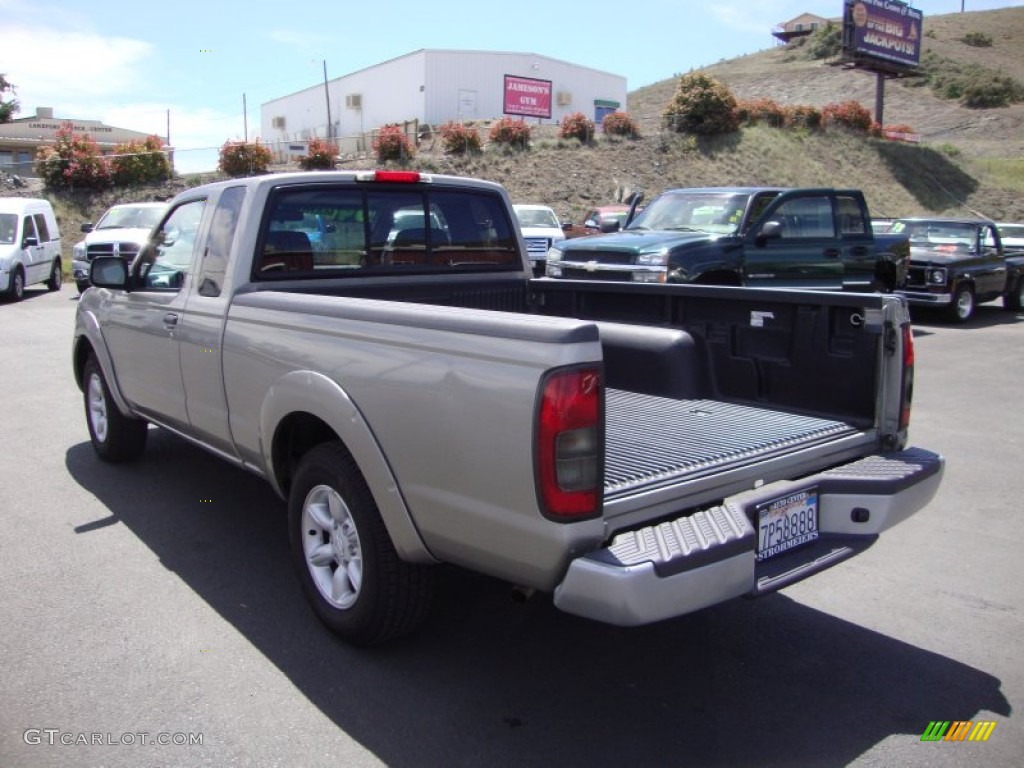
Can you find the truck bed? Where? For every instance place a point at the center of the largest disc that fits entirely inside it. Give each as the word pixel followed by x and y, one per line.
pixel 656 441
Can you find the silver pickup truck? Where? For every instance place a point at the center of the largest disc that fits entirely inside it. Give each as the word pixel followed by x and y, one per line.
pixel 374 346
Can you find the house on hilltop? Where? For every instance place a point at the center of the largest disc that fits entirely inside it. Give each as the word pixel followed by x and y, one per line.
pixel 801 26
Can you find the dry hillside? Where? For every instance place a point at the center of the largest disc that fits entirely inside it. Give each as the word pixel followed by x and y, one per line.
pixel 969 161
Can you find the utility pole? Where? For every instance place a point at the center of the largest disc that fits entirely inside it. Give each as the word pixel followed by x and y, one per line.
pixel 245 120
pixel 327 99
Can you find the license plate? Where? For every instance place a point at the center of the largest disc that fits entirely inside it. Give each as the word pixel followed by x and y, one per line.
pixel 787 522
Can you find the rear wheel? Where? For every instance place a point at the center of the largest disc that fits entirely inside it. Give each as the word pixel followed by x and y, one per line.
pixel 962 308
pixel 1014 298
pixel 115 437
pixel 56 277
pixel 348 567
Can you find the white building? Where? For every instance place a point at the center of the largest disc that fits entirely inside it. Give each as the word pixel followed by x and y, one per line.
pixel 433 87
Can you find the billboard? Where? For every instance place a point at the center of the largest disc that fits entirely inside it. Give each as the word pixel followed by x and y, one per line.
pixel 527 97
pixel 887 32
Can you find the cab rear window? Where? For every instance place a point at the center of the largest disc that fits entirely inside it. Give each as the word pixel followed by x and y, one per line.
pixel 330 231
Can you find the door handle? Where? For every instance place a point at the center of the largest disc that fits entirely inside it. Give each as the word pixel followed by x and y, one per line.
pixel 170 319
pixel 860 250
pixel 832 253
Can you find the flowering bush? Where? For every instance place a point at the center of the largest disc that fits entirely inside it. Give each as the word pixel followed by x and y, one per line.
pixel 848 114
pixel 140 162
pixel 320 156
pixel 754 111
pixel 619 124
pixel 701 105
pixel 240 158
pixel 511 133
pixel 459 139
pixel 74 160
pixel 577 126
pixel 799 116
pixel 391 143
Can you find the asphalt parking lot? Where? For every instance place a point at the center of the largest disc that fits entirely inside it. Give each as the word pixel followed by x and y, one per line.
pixel 156 603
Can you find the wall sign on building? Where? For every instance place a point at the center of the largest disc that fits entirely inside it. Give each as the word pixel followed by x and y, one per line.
pixel 527 96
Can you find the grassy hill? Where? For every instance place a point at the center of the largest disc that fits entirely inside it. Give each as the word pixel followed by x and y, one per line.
pixel 970 161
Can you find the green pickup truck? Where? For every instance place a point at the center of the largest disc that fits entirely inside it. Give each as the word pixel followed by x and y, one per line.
pixel 754 236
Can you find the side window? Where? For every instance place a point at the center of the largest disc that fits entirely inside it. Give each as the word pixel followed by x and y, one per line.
pixel 850 216
pixel 805 218
pixel 168 258
pixel 757 206
pixel 41 228
pixel 28 229
pixel 218 244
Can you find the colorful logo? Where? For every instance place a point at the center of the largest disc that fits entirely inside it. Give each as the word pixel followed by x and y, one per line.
pixel 958 730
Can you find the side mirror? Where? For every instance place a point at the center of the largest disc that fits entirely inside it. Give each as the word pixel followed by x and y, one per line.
pixel 771 230
pixel 109 272
pixel 87 227
pixel 29 241
pixel 610 225
pixel 566 226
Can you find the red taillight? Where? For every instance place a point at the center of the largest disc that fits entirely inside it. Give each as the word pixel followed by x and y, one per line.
pixel 401 177
pixel 570 445
pixel 907 395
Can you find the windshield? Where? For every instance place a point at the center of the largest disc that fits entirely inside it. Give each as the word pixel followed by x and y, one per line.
pixel 537 217
pixel 8 227
pixel 131 217
pixel 720 213
pixel 938 235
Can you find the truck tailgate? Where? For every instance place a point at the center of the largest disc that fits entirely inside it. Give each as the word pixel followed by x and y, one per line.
pixel 655 444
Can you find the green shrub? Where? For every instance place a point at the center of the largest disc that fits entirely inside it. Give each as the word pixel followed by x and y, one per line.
pixel 321 155
pixel 240 158
pixel 977 40
pixel 848 114
pixel 391 143
pixel 972 85
pixel 825 42
pixel 140 162
pixel 510 133
pixel 701 105
pixel 619 124
pixel 459 138
pixel 73 161
pixel 577 126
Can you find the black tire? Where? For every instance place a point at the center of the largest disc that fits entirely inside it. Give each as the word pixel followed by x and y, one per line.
pixel 56 277
pixel 81 285
pixel 962 308
pixel 343 556
pixel 115 437
pixel 16 287
pixel 1013 299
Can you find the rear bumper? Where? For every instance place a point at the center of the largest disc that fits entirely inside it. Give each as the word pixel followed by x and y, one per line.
pixel 695 561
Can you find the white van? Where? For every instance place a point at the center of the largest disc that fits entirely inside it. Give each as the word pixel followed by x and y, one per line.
pixel 29 246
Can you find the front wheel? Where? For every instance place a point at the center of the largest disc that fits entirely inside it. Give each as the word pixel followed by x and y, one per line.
pixel 16 289
pixel 962 308
pixel 1014 298
pixel 348 567
pixel 56 277
pixel 115 437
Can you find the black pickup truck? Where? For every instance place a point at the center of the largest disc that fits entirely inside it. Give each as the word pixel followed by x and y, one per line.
pixel 956 264
pixel 756 236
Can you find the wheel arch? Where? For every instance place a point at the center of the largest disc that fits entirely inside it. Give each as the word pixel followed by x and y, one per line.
pixel 304 409
pixel 88 342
